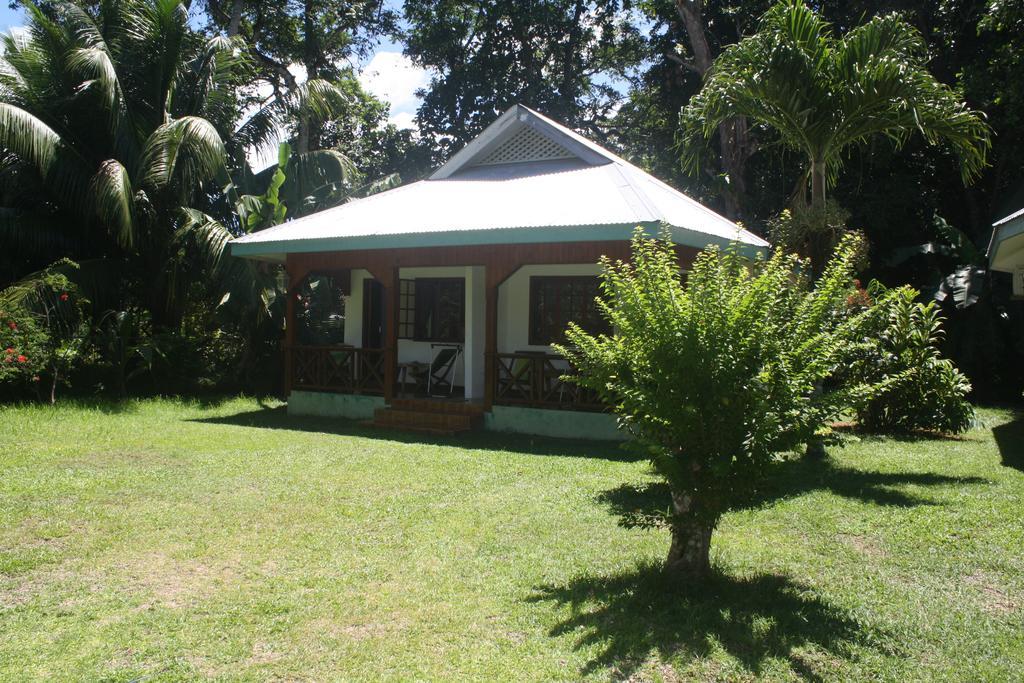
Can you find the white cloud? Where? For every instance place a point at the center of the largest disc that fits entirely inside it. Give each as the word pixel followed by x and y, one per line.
pixel 403 119
pixel 394 78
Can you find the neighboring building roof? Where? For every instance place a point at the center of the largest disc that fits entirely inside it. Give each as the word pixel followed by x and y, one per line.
pixel 525 179
pixel 1006 249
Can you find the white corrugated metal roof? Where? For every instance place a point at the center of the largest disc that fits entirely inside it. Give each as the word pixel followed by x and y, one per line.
pixel 1006 247
pixel 594 196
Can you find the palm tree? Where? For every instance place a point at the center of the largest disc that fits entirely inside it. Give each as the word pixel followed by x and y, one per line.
pixel 119 123
pixel 823 95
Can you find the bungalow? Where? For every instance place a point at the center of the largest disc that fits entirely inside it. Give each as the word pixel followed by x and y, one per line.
pixel 434 305
pixel 1006 250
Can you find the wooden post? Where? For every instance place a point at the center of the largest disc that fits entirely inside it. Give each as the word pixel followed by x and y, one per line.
pixel 289 336
pixel 391 294
pixel 490 338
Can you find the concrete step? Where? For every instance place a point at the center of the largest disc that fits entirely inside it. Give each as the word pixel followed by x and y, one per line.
pixel 426 405
pixel 424 420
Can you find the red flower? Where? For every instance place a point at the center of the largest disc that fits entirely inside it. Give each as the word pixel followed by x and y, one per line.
pixel 22 359
pixel 64 296
pixel 13 325
pixel 9 350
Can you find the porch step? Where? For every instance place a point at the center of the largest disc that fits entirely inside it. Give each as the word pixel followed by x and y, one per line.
pixel 429 420
pixel 428 405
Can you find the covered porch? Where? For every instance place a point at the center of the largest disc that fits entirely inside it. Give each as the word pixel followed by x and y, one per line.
pixel 459 324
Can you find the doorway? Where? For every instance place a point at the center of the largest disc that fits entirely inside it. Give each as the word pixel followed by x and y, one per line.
pixel 373 314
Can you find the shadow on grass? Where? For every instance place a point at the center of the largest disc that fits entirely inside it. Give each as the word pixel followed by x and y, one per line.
pixel 277 418
pixel 629 616
pixel 646 505
pixel 1010 441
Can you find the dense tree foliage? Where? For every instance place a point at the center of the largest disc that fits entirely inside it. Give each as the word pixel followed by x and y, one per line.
pixel 125 137
pixel 893 196
pixel 557 56
pixel 822 94
pixel 112 125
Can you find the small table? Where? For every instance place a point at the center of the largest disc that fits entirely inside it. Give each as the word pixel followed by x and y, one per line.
pixel 403 373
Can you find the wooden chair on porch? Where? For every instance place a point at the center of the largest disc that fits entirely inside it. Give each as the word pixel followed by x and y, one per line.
pixel 442 369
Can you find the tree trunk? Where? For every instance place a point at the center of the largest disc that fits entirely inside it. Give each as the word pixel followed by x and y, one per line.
pixel 309 138
pixel 818 184
pixel 820 242
pixel 53 386
pixel 234 23
pixel 733 134
pixel 820 247
pixel 689 555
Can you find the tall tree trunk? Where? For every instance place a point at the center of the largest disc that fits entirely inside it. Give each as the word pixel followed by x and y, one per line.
pixel 235 20
pixel 820 242
pixel 689 555
pixel 733 134
pixel 820 247
pixel 308 135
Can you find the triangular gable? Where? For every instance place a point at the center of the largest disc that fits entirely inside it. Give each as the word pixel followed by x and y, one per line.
pixel 526 145
pixel 522 135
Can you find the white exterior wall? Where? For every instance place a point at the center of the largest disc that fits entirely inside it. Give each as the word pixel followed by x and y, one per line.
pixel 514 304
pixel 513 316
pixel 354 309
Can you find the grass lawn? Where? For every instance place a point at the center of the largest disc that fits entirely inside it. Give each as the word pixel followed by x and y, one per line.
pixel 161 540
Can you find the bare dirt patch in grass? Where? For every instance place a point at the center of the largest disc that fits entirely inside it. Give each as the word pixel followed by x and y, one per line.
pixel 865 545
pixel 995 599
pixel 176 582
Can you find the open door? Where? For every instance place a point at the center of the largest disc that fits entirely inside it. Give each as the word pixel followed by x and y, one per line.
pixel 373 314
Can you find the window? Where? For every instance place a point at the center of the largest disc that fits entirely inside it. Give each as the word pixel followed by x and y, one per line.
pixel 406 309
pixel 439 310
pixel 557 301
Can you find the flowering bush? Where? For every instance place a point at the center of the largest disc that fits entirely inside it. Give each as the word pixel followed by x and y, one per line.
pixel 45 327
pixel 22 351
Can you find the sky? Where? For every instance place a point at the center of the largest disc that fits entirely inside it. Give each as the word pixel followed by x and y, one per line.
pixel 388 74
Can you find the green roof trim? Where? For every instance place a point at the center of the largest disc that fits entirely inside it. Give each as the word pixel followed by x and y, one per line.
pixel 275 250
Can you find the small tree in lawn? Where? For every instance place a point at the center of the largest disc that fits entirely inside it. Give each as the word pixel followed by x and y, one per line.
pixel 716 374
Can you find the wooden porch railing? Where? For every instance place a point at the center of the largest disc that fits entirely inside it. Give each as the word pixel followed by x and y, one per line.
pixel 535 380
pixel 340 369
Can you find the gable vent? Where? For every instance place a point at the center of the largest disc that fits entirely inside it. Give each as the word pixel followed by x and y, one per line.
pixel 526 145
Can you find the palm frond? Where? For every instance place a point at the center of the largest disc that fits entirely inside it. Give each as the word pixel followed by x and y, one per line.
pixel 823 95
pixel 113 194
pixel 184 153
pixel 319 99
pixel 35 143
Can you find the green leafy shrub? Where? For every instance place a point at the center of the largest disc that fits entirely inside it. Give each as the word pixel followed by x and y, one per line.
pixel 913 387
pixel 718 375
